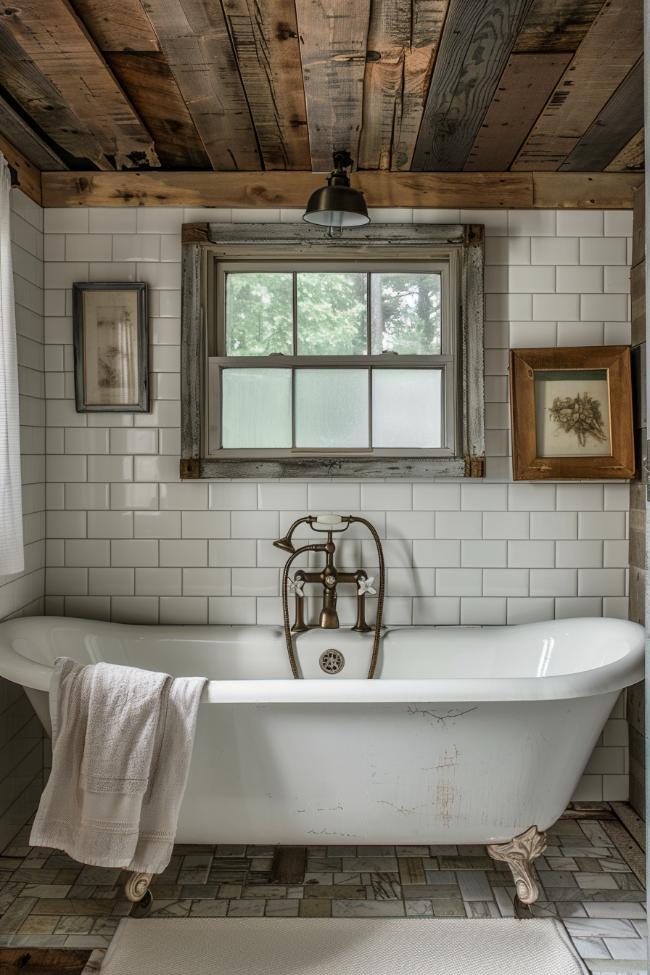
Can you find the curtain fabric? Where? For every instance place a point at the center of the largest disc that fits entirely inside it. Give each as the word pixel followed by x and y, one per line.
pixel 11 520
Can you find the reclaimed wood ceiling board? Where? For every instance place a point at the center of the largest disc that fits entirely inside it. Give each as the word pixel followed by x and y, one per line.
pixel 610 49
pixel 333 38
pixel 402 43
pixel 63 51
pixel 269 85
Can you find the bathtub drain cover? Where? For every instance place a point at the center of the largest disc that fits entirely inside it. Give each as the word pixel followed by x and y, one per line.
pixel 332 661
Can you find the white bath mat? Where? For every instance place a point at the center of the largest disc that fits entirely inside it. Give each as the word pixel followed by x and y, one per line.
pixel 345 946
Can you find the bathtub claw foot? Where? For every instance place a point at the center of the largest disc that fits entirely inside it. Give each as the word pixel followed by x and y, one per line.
pixel 519 854
pixel 136 887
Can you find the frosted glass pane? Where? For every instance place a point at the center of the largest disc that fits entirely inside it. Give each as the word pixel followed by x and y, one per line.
pixel 332 313
pixel 405 313
pixel 259 313
pixel 407 408
pixel 331 408
pixel 256 408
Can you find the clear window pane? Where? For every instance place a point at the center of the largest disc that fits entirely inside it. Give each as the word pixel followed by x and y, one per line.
pixel 407 407
pixel 332 313
pixel 331 408
pixel 256 406
pixel 259 313
pixel 405 313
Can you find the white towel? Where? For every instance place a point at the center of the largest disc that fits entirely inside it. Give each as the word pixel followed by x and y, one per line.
pixel 122 743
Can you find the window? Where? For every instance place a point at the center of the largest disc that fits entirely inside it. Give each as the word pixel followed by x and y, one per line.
pixel 330 356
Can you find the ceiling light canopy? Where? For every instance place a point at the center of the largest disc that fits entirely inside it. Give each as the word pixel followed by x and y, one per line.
pixel 337 205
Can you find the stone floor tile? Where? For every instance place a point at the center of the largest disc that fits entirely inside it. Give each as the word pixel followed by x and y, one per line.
pixel 473 885
pixel 105 925
pixel 38 924
pixel 366 908
pixel 87 941
pixel 209 908
pixel 628 949
pixel 38 941
pixel 482 909
pixel 590 927
pixel 283 908
pixel 315 907
pixel 615 909
pixel 346 878
pixel 199 891
pixel 557 878
pixel 163 908
pixel 504 901
pixel 229 891
pixel 246 908
pixel 591 948
pixel 16 913
pixel 596 881
pixel 70 924
pixel 418 908
pixel 448 907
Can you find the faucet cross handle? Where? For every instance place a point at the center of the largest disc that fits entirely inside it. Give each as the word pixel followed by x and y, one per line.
pixel 366 586
pixel 297 587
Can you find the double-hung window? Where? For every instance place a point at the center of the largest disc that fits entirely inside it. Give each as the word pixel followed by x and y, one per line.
pixel 316 356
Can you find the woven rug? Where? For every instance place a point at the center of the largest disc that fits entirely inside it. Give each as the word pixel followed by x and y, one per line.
pixel 340 946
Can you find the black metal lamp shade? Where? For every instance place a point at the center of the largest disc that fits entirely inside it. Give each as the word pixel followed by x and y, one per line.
pixel 337 204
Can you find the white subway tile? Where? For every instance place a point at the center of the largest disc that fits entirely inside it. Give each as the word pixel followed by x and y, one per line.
pixel 618 223
pixel 187 610
pixel 580 223
pixel 437 611
pixel 183 553
pixel 155 468
pixel 532 279
pixel 158 582
pixel 580 333
pixel 156 524
pixel 65 220
pixel 281 495
pixel 112 220
pixel 136 247
pixel 379 497
pixel 603 250
pixel 601 582
pixel 436 497
pixel 529 610
pixel 531 223
pixel 232 609
pixel 54 247
pixel 410 524
pixel 483 553
pixel 169 440
pixel 610 307
pixel 507 250
pixel 134 551
pixel 617 497
pixel 506 524
pixel 484 497
pixel 579 497
pixel 185 496
pixel 459 582
pixel 607 524
pixel 255 524
pixel 110 582
pixel 553 582
pixel 159 220
pixel 134 609
pixel 166 358
pixel 555 524
pixel 111 468
pixel 482 611
pixel 617 279
pixel 495 279
pixel 233 495
pixel 133 441
pixel 255 582
pixel 87 552
pixel 237 552
pixel 555 250
pixel 144 496
pixel 66 524
pixel 617 607
pixel 60 467
pixel 531 497
pixel 205 524
pixel 580 279
pixel 206 582
pixel 558 307
pixel 84 440
pixel 616 553
pixel 457 524
pixel 505 582
pixel 437 553
pixel 333 497
pixel 110 524
pixel 508 307
pixel 88 607
pixel 63 274
pixel 577 555
pixel 88 247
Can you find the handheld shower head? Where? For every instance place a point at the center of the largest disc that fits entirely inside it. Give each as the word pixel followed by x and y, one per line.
pixel 285 544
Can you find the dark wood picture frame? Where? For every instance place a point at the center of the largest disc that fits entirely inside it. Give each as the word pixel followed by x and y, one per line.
pixel 614 360
pixel 139 403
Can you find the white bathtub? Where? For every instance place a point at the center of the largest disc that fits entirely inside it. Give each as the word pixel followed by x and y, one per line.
pixel 467 736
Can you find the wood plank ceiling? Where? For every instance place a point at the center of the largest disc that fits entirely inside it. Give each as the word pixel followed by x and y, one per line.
pixel 252 85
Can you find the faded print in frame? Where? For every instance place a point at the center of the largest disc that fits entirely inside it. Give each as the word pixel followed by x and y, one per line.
pixel 111 347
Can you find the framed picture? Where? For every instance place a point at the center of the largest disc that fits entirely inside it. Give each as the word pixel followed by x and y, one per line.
pixel 571 413
pixel 111 347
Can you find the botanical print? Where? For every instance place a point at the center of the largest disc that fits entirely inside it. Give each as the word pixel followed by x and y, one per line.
pixel 572 413
pixel 581 414
pixel 110 339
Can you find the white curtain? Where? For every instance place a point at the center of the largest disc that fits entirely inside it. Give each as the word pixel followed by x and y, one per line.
pixel 11 515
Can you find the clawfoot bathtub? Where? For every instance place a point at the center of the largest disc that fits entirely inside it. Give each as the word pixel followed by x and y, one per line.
pixel 467 735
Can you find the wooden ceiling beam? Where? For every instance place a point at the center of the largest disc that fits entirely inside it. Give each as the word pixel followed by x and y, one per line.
pixel 195 40
pixel 265 40
pixel 333 40
pixel 382 189
pixel 402 42
pixel 522 92
pixel 610 49
pixel 118 25
pixel 631 156
pixel 25 175
pixel 61 48
pixel 556 25
pixel 612 128
pixel 28 142
pixel 474 49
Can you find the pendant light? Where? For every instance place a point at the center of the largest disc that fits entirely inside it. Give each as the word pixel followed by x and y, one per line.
pixel 337 205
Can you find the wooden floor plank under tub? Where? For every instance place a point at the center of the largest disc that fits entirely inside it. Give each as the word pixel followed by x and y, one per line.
pixel 42 961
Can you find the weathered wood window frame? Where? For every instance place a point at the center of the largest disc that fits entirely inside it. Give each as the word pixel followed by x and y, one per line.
pixel 205 246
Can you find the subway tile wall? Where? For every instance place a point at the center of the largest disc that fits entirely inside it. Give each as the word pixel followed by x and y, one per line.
pixel 21 735
pixel 127 541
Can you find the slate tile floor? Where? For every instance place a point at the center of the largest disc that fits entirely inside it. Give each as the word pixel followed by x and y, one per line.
pixel 590 877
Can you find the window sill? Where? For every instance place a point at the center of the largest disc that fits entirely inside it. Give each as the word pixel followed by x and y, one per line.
pixel 416 468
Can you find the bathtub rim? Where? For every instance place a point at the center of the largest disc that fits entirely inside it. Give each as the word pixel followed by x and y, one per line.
pixel 615 676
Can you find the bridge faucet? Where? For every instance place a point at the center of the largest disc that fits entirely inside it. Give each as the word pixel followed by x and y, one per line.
pixel 329 578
